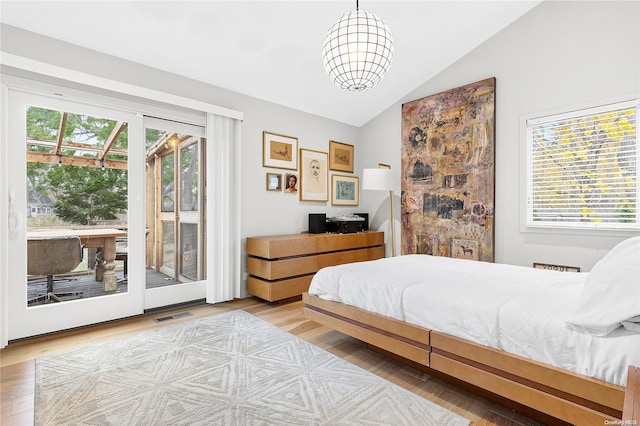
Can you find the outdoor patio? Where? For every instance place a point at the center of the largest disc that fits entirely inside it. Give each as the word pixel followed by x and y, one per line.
pixel 90 287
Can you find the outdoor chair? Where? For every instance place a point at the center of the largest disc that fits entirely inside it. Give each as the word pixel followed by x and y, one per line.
pixel 122 253
pixel 53 256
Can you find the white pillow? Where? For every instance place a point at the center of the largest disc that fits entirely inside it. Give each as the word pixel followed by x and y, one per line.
pixel 611 294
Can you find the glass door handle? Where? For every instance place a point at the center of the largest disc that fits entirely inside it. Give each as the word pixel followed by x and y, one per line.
pixel 15 218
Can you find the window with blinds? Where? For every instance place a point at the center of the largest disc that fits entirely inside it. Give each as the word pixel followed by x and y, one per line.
pixel 583 168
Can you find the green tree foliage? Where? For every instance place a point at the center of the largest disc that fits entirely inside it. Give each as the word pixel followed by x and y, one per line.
pixel 81 194
pixel 168 180
pixel 189 178
pixel 151 137
pixel 84 193
pixel 41 124
pixel 586 168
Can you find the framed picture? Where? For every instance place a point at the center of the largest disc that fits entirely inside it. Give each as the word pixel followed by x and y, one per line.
pixel 340 156
pixel 552 267
pixel 279 151
pixel 345 190
pixel 314 175
pixel 291 183
pixel 274 182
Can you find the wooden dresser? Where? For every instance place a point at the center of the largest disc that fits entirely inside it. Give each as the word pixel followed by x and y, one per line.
pixel 282 266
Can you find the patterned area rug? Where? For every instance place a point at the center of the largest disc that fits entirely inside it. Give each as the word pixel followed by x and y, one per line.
pixel 228 369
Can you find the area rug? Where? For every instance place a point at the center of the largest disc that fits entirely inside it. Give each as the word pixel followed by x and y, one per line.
pixel 227 369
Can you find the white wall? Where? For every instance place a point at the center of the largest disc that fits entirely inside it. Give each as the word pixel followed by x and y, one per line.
pixel 560 54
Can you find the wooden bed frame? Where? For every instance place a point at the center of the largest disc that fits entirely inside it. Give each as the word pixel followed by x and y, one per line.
pixel 631 411
pixel 555 392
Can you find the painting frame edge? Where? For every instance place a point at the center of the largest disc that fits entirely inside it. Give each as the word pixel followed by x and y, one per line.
pixel 267 145
pixel 269 186
pixel 302 185
pixel 334 180
pixel 333 163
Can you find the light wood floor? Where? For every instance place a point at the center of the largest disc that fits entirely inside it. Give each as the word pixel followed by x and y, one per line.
pixel 17 360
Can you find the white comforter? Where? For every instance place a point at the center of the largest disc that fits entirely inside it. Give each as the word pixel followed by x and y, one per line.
pixel 517 309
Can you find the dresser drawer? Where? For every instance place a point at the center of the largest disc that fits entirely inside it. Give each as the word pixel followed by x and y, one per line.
pixel 282 266
pixel 358 255
pixel 278 290
pixel 282 246
pixel 335 242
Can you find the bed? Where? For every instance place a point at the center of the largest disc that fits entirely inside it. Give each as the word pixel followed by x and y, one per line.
pixel 559 343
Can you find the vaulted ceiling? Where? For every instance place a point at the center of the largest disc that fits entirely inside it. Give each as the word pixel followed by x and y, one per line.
pixel 271 49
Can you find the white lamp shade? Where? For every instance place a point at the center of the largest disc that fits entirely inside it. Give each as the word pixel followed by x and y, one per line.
pixel 378 179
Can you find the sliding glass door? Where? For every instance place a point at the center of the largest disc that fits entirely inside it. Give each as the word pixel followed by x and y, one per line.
pixel 131 189
pixel 74 172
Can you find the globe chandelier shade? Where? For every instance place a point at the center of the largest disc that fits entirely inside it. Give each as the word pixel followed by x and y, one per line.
pixel 357 50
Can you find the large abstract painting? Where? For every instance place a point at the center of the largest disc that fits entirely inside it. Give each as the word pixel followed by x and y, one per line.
pixel 448 173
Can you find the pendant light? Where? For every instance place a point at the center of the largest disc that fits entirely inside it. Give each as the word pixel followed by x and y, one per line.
pixel 357 50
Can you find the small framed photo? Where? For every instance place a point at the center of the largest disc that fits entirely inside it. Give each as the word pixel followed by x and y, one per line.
pixel 345 190
pixel 561 268
pixel 340 156
pixel 279 151
pixel 291 183
pixel 314 175
pixel 274 182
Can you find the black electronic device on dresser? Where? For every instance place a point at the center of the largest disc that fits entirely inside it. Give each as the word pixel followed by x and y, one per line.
pixel 365 225
pixel 346 224
pixel 319 223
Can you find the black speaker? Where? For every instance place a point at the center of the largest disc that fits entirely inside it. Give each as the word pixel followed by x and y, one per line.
pixel 365 225
pixel 317 223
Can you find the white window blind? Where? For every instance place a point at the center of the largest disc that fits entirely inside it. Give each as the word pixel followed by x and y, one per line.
pixel 583 169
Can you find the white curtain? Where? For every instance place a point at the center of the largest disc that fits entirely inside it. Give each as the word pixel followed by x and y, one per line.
pixel 223 208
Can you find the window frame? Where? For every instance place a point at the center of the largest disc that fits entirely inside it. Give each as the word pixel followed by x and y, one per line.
pixel 557 114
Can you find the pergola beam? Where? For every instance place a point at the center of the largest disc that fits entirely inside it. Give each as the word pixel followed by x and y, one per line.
pixel 63 124
pixel 44 158
pixel 117 129
pixel 167 143
pixel 75 145
pixel 58 145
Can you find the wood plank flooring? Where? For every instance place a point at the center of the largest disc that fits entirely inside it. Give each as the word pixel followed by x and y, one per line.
pixel 17 365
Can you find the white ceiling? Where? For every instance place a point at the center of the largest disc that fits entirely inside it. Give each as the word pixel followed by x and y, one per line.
pixel 271 49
